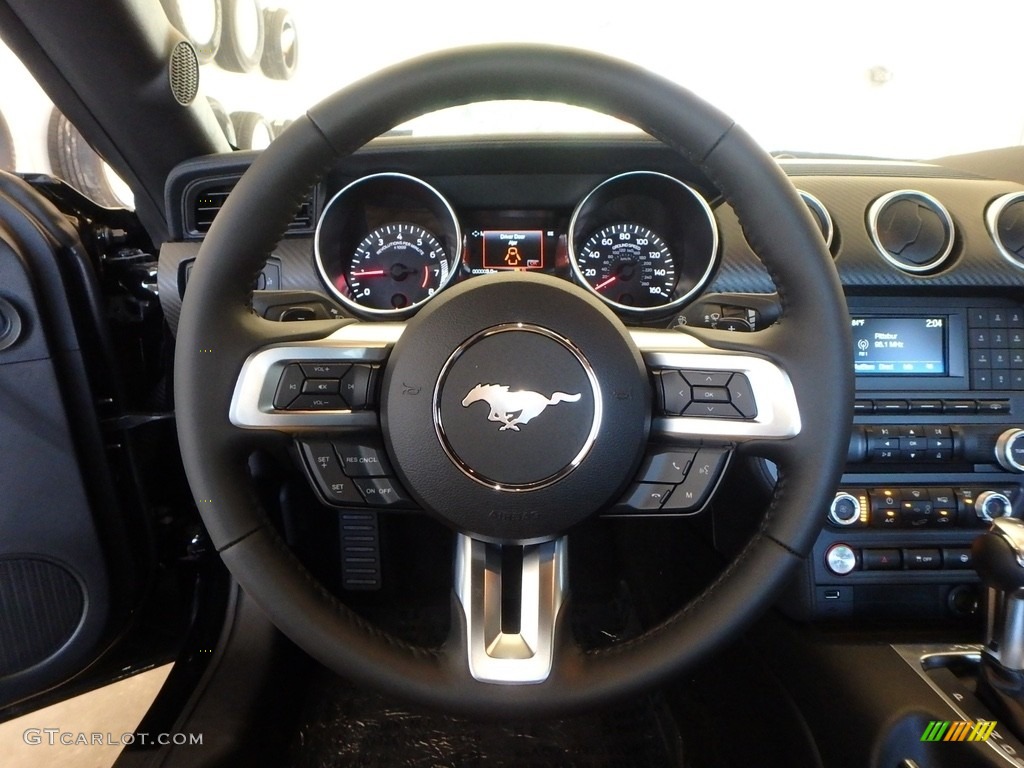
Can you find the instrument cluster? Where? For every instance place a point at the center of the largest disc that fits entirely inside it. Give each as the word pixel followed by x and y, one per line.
pixel 642 242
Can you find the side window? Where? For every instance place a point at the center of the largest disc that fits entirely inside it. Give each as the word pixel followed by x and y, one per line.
pixel 36 138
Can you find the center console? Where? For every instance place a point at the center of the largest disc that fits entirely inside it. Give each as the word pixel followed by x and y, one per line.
pixel 936 453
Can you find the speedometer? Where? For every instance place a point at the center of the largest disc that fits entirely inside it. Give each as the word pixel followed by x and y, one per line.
pixel 643 242
pixel 397 266
pixel 628 264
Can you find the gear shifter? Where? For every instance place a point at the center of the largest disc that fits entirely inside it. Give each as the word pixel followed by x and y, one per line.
pixel 999 559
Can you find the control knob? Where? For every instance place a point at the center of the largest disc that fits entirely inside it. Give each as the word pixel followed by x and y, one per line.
pixel 1010 450
pixel 845 509
pixel 990 505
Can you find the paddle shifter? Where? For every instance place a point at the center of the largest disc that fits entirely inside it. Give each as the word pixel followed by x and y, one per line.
pixel 999 560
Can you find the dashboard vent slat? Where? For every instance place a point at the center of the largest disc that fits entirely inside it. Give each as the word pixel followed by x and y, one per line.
pixel 205 203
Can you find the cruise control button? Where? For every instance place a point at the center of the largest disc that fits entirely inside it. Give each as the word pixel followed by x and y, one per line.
pixel 290 386
pixel 362 460
pixel 318 403
pixel 669 467
pixel 324 370
pixel 646 497
pixel 704 472
pixel 381 491
pixel 742 396
pixel 712 411
pixel 326 471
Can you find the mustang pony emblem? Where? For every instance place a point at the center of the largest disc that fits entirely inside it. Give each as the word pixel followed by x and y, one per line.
pixel 513 408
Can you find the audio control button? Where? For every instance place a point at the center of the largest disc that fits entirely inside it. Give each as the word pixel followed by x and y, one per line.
pixel 841 559
pixel 926 406
pixel 1010 450
pixel 959 406
pixel 993 406
pixel 891 406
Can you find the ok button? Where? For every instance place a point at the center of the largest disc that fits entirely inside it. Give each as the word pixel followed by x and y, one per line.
pixel 711 394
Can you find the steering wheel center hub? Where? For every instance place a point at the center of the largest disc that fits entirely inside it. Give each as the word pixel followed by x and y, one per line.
pixel 502 426
pixel 517 407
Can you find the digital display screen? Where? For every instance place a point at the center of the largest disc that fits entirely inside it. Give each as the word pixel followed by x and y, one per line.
pixel 522 249
pixel 899 346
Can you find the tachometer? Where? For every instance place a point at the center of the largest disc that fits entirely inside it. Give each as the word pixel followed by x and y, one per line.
pixel 386 243
pixel 628 264
pixel 396 266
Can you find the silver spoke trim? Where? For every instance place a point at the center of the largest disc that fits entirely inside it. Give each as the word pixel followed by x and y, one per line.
pixel 252 404
pixel 778 415
pixel 494 656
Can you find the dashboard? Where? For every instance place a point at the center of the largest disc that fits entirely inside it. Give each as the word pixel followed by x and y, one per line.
pixel 931 260
pixel 642 242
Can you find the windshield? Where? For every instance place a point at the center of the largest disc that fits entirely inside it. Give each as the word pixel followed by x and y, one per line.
pixel 874 77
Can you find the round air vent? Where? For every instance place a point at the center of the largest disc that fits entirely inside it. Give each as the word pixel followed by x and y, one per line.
pixel 821 216
pixel 912 230
pixel 1005 221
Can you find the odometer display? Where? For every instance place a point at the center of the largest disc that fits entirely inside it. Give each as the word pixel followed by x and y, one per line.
pixel 628 264
pixel 395 267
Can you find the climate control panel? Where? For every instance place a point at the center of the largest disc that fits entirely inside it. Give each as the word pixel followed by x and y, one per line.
pixel 919 507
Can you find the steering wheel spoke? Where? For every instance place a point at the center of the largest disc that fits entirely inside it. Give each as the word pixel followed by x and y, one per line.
pixel 707 393
pixel 320 385
pixel 511 599
pixel 708 401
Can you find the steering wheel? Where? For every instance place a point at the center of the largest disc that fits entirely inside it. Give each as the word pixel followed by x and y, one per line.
pixel 486 478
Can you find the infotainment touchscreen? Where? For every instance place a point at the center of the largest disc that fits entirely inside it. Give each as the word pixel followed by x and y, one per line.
pixel 899 346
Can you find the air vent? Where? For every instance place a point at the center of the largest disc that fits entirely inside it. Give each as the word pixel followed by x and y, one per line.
pixel 207 205
pixel 911 230
pixel 821 216
pixel 1005 221
pixel 208 200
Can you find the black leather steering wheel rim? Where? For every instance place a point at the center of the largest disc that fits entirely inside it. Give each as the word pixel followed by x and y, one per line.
pixel 218 330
